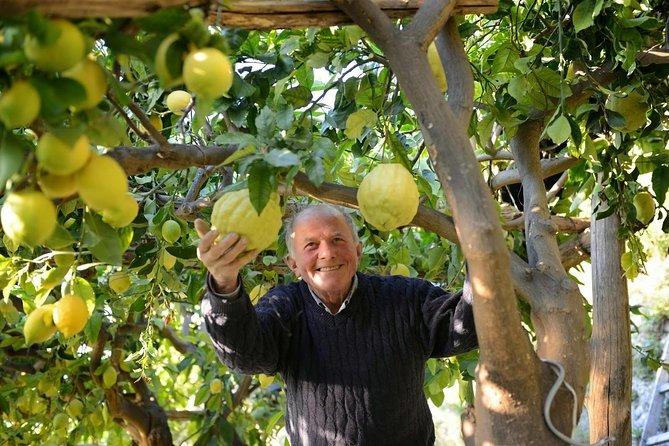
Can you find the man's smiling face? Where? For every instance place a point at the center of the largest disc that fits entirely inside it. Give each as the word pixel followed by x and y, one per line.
pixel 324 254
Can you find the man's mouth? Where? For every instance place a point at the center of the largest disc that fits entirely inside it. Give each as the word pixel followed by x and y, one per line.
pixel 328 268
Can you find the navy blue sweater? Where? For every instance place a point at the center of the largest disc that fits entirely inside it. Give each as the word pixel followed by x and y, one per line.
pixel 355 378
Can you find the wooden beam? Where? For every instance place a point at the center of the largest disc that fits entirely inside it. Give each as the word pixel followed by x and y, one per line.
pixel 250 14
pixel 267 14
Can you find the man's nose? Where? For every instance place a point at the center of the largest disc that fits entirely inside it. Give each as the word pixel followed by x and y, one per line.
pixel 325 250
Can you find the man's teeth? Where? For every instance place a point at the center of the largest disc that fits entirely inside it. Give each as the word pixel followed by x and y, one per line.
pixel 329 268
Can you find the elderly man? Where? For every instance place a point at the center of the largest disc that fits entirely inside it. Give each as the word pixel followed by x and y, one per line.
pixel 350 347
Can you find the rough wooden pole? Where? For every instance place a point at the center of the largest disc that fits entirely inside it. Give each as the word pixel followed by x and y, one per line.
pixel 609 405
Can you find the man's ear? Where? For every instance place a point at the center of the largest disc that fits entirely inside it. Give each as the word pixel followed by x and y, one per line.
pixel 358 250
pixel 288 260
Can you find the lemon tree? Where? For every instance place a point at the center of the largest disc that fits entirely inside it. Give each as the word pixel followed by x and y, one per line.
pixel 100 280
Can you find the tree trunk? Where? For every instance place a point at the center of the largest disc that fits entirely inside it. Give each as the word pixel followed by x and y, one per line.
pixel 611 372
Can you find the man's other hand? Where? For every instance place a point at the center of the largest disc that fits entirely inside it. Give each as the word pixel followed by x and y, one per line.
pixel 223 257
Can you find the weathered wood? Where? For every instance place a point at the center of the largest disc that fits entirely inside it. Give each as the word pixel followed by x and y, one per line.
pixel 75 9
pixel 251 14
pixel 610 401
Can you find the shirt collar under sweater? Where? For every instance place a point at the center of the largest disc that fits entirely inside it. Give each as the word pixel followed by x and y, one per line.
pixel 343 305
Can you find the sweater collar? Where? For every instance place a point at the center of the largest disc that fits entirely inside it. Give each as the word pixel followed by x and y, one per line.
pixel 321 304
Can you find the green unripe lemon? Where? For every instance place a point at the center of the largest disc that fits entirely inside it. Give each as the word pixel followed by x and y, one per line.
pixel 19 105
pixel 39 326
pixel 178 101
pixel 207 73
pixel 121 213
pixel 61 54
pixel 171 231
pixel 119 282
pixel 57 157
pixel 28 217
pixel 102 183
pixel 92 77
pixel 644 206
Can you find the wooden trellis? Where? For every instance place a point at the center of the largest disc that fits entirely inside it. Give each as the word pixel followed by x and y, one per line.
pixel 251 14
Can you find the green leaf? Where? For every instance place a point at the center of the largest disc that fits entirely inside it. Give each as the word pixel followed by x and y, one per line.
pixel 266 122
pixel 102 240
pixel 298 97
pixel 240 153
pixel 357 121
pixel 584 15
pixel 60 239
pixel 57 94
pixel 12 152
pixel 660 183
pixel 164 20
pixel 559 130
pixel 260 186
pixel 282 158
pixel 318 60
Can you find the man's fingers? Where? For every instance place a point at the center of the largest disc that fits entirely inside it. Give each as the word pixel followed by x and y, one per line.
pixel 224 245
pixel 246 258
pixel 201 227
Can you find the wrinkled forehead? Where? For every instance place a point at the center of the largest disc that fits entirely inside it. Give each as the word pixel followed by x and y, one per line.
pixel 317 222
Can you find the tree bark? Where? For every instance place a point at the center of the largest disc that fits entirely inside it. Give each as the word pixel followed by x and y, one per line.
pixel 557 315
pixel 610 400
pixel 508 402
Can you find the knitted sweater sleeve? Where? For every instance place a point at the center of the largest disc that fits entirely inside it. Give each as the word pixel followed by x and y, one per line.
pixel 447 320
pixel 249 339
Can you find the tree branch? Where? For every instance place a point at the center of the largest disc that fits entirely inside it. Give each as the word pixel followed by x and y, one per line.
pixel 180 156
pixel 562 224
pixel 428 20
pixel 183 347
pixel 127 119
pixel 458 72
pixel 549 167
pixel 370 18
pixel 541 244
pixel 184 415
pixel 146 122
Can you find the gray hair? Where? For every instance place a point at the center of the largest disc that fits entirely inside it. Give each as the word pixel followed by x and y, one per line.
pixel 322 208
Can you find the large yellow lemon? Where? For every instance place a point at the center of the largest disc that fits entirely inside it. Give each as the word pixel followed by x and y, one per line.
pixel 28 217
pixel 19 105
pixel 178 101
pixel 207 73
pixel 632 107
pixel 233 212
pixel 57 186
pixel 436 67
pixel 70 314
pixel 122 213
pixel 92 77
pixel 39 325
pixel 56 156
pixel 63 53
pixel 388 197
pixel 102 183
